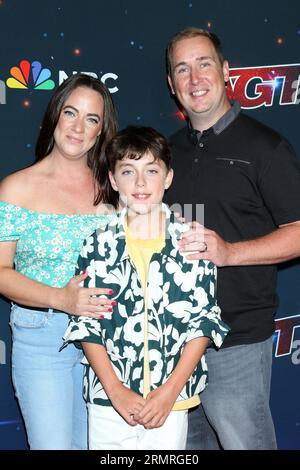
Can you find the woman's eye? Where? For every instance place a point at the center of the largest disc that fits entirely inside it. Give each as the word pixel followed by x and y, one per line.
pixel 68 112
pixel 93 120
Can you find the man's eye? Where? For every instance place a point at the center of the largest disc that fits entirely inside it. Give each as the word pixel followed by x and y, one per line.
pixel 182 70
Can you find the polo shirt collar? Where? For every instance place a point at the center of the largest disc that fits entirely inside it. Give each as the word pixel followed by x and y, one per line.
pixel 220 125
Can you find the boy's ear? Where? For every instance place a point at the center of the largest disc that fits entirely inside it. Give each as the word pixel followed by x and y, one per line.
pixel 169 178
pixel 112 181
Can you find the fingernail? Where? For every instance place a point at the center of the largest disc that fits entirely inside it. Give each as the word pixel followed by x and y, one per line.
pixel 109 309
pixel 114 303
pixel 101 316
pixel 111 291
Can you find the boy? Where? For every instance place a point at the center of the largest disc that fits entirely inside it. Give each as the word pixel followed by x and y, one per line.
pixel 146 364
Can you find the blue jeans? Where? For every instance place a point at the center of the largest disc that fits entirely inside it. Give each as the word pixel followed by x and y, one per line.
pixel 236 399
pixel 48 383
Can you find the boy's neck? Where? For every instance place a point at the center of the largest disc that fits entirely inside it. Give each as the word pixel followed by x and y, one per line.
pixel 146 226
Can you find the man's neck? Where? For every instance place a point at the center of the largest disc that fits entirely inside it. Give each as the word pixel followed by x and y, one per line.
pixel 201 122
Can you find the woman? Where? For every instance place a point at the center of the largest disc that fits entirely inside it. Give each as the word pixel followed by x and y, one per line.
pixel 46 211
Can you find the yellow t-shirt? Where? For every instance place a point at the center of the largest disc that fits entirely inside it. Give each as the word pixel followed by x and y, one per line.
pixel 141 252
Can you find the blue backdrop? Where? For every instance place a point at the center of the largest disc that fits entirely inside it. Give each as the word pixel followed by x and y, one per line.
pixel 123 42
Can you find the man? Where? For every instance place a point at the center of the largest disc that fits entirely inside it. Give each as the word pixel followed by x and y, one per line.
pixel 248 178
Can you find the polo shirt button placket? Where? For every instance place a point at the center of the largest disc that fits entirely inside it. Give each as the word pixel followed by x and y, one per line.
pixel 201 145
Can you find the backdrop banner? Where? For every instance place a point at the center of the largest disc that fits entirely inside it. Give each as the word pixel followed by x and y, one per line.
pixel 123 43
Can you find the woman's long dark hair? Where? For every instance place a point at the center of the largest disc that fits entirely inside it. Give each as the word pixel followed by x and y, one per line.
pixel 96 155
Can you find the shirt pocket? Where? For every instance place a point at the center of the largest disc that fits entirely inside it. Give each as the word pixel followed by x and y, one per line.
pixel 25 318
pixel 227 161
pixel 237 182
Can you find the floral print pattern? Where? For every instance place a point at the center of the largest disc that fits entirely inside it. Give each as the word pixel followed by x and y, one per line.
pixel 181 306
pixel 48 245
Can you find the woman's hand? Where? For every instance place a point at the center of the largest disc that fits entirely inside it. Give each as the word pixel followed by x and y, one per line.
pixel 78 300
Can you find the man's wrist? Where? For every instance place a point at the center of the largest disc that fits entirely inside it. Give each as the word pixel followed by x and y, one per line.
pixel 232 254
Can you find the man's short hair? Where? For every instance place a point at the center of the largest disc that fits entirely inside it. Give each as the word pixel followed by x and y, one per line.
pixel 192 32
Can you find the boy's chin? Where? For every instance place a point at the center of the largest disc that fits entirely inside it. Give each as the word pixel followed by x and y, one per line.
pixel 142 209
pixel 139 209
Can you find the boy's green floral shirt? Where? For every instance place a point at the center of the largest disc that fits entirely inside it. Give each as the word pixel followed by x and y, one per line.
pixel 181 306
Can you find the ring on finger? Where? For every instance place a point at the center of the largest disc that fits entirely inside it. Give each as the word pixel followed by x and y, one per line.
pixel 205 248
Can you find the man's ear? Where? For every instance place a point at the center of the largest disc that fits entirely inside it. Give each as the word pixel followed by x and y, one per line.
pixel 112 181
pixel 171 85
pixel 226 70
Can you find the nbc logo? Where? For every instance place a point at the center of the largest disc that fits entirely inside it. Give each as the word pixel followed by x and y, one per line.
pixel 21 77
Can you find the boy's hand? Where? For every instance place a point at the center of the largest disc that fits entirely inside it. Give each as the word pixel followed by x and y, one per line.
pixel 157 408
pixel 127 403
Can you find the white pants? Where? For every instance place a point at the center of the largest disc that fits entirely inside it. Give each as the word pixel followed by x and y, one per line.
pixel 109 431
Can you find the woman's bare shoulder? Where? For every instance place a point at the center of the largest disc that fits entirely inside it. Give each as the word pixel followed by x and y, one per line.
pixel 18 187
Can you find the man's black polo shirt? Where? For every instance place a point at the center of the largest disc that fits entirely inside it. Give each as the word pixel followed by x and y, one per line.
pixel 248 178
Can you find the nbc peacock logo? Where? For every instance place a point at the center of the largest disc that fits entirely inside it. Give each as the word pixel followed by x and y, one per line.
pixel 29 75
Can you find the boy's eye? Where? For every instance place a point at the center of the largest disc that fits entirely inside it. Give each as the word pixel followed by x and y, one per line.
pixel 127 172
pixel 152 172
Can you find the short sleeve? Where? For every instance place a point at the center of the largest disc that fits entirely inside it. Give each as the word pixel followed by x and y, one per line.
pixel 10 222
pixel 280 185
pixel 206 318
pixel 83 329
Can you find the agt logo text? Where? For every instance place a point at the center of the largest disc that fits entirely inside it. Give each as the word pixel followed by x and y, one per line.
pixel 254 87
pixel 284 340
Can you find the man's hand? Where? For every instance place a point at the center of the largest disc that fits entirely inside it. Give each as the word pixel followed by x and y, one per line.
pixel 206 244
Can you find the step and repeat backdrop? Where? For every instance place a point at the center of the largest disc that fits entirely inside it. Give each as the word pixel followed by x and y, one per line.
pixel 123 43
